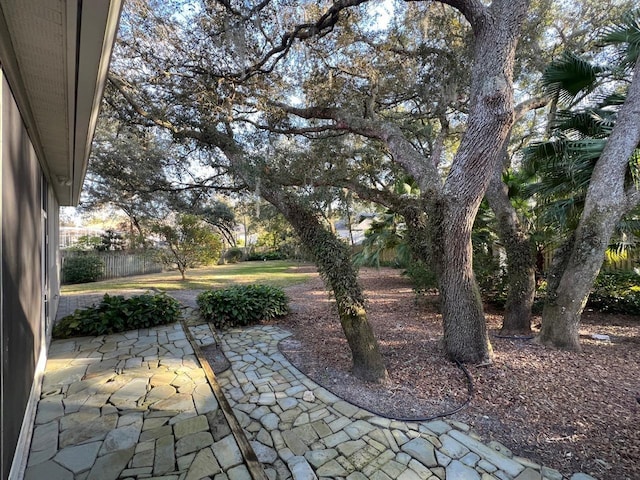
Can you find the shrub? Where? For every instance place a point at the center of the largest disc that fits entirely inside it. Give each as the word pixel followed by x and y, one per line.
pixel 422 277
pixel 82 269
pixel 242 305
pixel 259 257
pixel 118 314
pixel 616 292
pixel 233 255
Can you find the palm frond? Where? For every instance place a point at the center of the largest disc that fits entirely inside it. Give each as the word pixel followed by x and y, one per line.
pixel 634 168
pixel 594 123
pixel 615 99
pixel 630 226
pixel 625 36
pixel 569 76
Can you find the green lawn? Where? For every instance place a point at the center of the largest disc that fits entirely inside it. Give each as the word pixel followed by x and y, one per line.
pixel 277 273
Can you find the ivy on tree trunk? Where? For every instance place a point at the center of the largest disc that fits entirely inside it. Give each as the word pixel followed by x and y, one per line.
pixel 521 277
pixel 333 259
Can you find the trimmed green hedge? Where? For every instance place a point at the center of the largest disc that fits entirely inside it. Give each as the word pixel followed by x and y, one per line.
pixel 82 269
pixel 242 305
pixel 118 314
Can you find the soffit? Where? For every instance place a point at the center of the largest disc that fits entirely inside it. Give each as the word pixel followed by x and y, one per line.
pixel 55 55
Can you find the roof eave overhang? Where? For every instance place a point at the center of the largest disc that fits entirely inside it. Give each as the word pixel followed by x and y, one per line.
pixel 97 33
pixel 88 31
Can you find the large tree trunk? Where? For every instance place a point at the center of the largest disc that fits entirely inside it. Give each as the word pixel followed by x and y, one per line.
pixel 465 331
pixel 521 273
pixel 444 247
pixel 333 259
pixel 491 114
pixel 565 303
pixel 491 117
pixel 605 204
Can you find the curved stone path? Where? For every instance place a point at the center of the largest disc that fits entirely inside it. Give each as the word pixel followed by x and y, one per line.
pixel 300 430
pixel 139 405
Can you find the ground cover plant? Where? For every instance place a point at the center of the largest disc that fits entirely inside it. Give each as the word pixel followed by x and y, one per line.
pixel 616 292
pixel 115 313
pixel 242 305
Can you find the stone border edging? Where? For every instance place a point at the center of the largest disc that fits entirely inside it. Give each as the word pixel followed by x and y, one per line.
pixel 253 465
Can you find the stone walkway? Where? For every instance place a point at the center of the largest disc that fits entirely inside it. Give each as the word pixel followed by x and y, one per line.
pixel 139 405
pixel 300 430
pixel 131 405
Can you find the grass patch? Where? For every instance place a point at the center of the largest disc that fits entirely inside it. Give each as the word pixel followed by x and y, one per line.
pixel 278 273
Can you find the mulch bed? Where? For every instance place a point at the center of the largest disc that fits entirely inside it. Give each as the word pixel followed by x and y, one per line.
pixel 569 411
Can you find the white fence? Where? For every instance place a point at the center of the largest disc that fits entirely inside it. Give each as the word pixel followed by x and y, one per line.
pixel 120 264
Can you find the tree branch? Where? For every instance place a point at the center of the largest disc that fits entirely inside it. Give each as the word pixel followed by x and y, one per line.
pixel 304 31
pixel 473 10
pixel 526 106
pixel 402 150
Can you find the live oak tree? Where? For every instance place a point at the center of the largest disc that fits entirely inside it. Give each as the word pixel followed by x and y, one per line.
pixel 221 72
pixel 166 100
pixel 333 259
pixel 568 27
pixel 451 205
pixel 331 256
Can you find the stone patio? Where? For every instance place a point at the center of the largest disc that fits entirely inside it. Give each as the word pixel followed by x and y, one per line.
pixel 140 405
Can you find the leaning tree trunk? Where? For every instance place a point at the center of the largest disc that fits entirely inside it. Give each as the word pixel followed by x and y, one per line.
pixel 565 303
pixel 605 203
pixel 521 272
pixel 333 260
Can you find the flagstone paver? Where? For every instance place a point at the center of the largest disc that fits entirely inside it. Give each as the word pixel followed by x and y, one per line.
pixel 138 405
pixel 147 411
pixel 318 435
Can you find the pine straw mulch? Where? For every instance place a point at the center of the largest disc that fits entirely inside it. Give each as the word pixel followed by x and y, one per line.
pixel 569 411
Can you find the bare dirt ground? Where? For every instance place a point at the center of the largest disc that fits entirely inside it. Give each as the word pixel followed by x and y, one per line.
pixel 569 411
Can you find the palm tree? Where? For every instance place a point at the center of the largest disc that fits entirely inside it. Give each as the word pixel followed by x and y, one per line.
pixel 593 159
pixel 559 169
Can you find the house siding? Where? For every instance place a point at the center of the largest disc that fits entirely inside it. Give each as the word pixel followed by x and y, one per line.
pixel 22 321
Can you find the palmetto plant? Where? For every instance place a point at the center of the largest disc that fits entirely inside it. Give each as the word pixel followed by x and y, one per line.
pixel 588 96
pixel 385 234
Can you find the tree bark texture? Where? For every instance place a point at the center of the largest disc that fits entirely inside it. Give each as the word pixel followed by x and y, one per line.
pixel 333 259
pixel 521 272
pixel 491 117
pixel 606 202
pixel 454 205
pixel 465 331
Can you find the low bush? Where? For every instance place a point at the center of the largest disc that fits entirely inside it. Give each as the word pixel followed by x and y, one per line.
pixel 422 277
pixel 616 292
pixel 233 255
pixel 82 269
pixel 242 305
pixel 118 314
pixel 259 257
